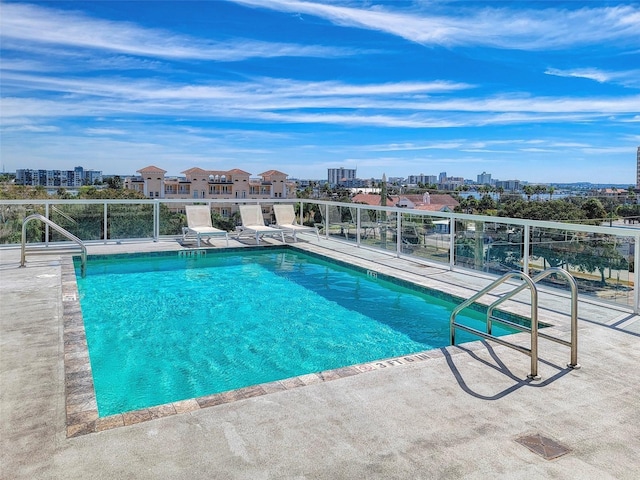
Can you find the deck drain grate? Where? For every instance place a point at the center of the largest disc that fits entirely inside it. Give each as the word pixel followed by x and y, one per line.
pixel 543 446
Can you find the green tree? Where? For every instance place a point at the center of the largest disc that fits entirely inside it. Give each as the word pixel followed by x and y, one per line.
pixel 631 195
pixel 597 254
pixel 228 224
pixel 486 203
pixel 63 194
pixel 528 191
pixel 115 182
pixel 594 210
pixel 629 213
pixel 554 210
pixel 539 190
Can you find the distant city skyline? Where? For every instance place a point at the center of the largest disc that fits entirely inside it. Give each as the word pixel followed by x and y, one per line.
pixel 544 92
pixel 335 177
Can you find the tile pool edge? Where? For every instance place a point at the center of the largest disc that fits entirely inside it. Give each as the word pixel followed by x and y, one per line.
pixel 80 399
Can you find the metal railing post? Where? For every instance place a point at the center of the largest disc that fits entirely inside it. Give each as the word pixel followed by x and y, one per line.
pixel 534 332
pixel 105 221
pixel 301 213
pixel 399 235
pixel 156 220
pixel 46 226
pixel 636 274
pixel 526 246
pixel 326 221
pixel 358 210
pixel 452 242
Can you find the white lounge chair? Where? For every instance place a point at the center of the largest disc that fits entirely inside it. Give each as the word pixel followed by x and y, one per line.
pixel 199 224
pixel 253 223
pixel 286 220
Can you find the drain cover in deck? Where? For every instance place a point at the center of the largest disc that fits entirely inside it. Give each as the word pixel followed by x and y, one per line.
pixel 543 446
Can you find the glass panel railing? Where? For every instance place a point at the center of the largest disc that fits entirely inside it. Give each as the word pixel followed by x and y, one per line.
pixel 369 226
pixel 503 247
pixel 172 219
pixel 388 237
pixel 337 222
pixel 130 221
pixel 601 264
pixel 469 244
pixel 311 215
pixel 491 247
pixel 85 221
pixel 11 217
pixel 373 227
pixel 426 237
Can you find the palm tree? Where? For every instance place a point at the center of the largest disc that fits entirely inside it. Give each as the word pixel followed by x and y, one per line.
pixel 550 190
pixel 472 204
pixel 528 191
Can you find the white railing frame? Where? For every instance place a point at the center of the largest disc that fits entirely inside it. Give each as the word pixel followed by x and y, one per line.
pixel 631 233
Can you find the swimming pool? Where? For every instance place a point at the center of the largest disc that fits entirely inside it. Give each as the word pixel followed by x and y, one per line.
pixel 164 328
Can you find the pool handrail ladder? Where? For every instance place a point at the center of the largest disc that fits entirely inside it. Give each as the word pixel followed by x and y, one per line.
pixel 57 228
pixel 530 283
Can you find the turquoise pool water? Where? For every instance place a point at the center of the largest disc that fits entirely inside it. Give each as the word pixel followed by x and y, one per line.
pixel 165 328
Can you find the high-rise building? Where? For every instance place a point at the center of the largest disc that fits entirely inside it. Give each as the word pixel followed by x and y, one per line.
pixel 484 179
pixel 343 177
pixel 57 178
pixel 508 185
pixel 422 178
pixel 442 178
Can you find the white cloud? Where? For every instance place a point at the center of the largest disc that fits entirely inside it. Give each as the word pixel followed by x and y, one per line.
pixel 400 147
pixel 397 104
pixel 36 25
pixel 31 128
pixel 590 73
pixel 104 131
pixel 628 78
pixel 536 150
pixel 477 25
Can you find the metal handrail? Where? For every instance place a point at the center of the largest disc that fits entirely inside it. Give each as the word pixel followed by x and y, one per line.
pixel 533 351
pixel 573 343
pixel 59 229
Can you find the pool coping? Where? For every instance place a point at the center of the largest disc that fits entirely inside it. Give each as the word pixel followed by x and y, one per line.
pixel 80 399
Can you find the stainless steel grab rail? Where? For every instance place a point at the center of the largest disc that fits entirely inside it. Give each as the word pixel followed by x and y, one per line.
pixel 573 343
pixel 59 229
pixel 531 284
pixel 533 351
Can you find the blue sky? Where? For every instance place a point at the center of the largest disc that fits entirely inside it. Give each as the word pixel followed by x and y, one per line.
pixel 535 91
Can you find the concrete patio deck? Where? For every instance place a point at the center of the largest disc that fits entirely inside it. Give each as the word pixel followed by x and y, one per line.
pixel 456 414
